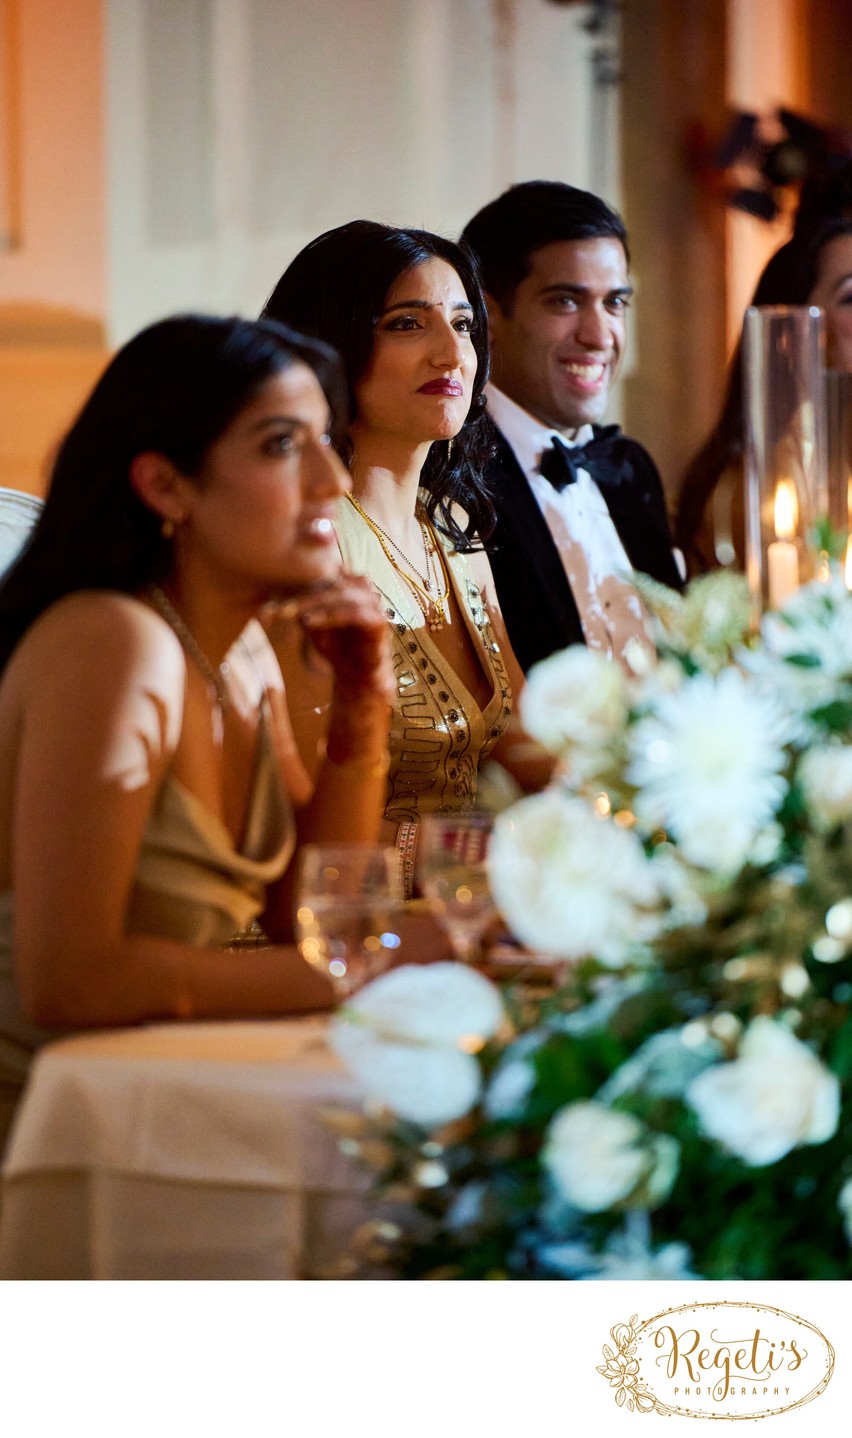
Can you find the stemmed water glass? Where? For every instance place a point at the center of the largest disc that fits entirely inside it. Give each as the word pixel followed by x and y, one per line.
pixel 348 904
pixel 452 876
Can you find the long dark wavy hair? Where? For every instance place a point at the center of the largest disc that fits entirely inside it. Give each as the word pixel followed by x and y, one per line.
pixel 788 278
pixel 174 390
pixel 336 289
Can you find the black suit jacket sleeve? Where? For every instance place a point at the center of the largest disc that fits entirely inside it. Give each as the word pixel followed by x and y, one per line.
pixel 630 483
pixel 539 609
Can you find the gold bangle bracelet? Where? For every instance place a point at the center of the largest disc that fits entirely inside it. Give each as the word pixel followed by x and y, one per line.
pixel 360 769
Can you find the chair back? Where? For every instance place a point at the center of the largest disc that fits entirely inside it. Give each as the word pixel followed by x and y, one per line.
pixel 18 515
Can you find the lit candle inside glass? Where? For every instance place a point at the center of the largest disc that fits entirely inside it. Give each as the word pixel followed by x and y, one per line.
pixel 848 565
pixel 782 556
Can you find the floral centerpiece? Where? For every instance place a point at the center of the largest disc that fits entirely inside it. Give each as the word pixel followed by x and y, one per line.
pixel 678 1104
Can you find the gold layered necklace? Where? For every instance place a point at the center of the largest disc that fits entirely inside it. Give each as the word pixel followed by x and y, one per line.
pixel 432 589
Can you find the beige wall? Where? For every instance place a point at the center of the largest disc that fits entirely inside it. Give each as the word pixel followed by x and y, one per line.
pixel 767 67
pixel 53 280
pixel 174 154
pixel 674 84
pixel 240 129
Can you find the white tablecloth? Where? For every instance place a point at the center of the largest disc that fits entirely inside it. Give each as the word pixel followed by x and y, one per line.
pixel 180 1151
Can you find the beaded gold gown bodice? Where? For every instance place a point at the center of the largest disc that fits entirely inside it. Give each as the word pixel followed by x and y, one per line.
pixel 439 733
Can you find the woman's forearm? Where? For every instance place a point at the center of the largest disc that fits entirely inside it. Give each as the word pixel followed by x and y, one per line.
pixel 349 791
pixel 348 800
pixel 144 978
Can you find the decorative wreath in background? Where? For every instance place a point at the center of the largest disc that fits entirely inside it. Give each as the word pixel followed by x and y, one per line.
pixel 767 165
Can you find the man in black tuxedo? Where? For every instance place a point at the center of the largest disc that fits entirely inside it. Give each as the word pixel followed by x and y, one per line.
pixel 579 506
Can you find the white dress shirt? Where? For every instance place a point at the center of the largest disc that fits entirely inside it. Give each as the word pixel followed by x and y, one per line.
pixel 594 559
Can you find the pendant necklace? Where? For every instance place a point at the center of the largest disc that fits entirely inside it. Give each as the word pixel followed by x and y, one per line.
pixel 432 589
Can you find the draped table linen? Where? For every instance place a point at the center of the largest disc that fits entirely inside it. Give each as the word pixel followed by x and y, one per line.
pixel 181 1151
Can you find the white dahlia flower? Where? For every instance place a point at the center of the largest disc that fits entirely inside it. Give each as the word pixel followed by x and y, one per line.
pixel 816 624
pixel 708 764
pixel 806 653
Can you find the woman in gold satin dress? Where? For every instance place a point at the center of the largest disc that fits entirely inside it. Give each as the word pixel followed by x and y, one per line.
pixel 151 794
pixel 405 311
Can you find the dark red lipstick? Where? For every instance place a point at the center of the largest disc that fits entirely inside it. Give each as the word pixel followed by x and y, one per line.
pixel 442 386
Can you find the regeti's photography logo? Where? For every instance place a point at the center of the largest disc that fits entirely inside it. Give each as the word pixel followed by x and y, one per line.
pixel 717 1360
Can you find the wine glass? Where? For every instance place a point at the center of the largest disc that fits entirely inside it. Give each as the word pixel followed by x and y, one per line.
pixel 453 877
pixel 348 902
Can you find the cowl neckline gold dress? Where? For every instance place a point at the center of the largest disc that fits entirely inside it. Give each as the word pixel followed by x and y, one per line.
pixel 193 883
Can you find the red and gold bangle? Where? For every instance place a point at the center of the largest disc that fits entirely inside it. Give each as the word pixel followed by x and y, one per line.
pixel 406 847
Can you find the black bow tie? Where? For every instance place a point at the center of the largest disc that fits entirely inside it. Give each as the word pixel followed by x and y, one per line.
pixel 560 465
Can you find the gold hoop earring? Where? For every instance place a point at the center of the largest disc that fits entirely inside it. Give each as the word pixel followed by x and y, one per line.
pixel 167 529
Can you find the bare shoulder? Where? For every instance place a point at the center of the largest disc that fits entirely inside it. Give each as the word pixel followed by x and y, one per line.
pixel 105 626
pixel 105 645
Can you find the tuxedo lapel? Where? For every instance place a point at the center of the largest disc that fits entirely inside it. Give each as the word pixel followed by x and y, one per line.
pixel 535 596
pixel 632 490
pixel 522 518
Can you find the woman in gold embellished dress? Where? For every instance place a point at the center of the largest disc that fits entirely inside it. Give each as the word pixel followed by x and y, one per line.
pixel 405 310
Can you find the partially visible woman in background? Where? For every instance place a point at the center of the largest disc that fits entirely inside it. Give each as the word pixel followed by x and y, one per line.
pixel 147 782
pixel 405 310
pixel 814 267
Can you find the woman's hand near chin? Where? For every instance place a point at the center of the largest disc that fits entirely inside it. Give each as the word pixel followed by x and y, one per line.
pixel 333 648
pixel 343 734
pixel 347 626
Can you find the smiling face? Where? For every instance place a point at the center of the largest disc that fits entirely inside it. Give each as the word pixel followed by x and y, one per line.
pixel 833 292
pixel 559 348
pixel 260 512
pixel 418 384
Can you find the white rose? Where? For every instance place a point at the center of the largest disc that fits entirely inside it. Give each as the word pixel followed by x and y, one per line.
pixel 774 1097
pixel 825 774
pixel 598 1158
pixel 575 704
pixel 569 883
pixel 410 1036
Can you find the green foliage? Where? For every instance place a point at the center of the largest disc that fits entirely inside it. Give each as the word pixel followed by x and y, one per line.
pixel 477 1200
